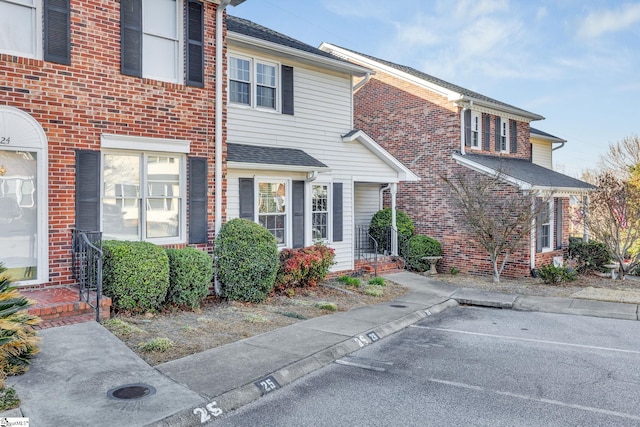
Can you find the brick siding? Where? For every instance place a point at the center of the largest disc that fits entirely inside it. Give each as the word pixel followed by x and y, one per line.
pixel 78 103
pixel 422 129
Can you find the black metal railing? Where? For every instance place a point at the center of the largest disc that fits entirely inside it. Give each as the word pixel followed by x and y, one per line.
pixel 87 266
pixel 366 247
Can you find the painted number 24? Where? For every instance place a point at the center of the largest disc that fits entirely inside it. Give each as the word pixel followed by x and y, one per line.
pixel 211 408
pixel 5 140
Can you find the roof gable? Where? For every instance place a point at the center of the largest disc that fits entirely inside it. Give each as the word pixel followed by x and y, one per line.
pixel 453 91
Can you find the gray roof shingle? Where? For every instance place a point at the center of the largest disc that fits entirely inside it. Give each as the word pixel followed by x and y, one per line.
pixel 442 83
pixel 538 132
pixel 243 153
pixel 528 172
pixel 251 29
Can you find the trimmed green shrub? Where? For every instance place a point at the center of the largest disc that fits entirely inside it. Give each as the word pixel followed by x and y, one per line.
pixel 550 274
pixel 303 267
pixel 381 222
pixel 418 247
pixel 18 339
pixel 589 256
pixel 377 281
pixel 246 258
pixel 136 275
pixel 190 276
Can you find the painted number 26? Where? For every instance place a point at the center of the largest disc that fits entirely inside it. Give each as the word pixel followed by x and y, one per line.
pixel 211 408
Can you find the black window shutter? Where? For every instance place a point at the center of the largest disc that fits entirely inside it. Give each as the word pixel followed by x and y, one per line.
pixel 513 135
pixel 198 200
pixel 87 190
pixel 195 44
pixel 246 199
pixel 57 31
pixel 337 212
pixel 131 37
pixel 467 128
pixel 558 220
pixel 287 89
pixel 498 134
pixel 297 197
pixel 487 132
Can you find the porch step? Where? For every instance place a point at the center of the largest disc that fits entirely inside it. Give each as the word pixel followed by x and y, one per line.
pixel 386 264
pixel 61 306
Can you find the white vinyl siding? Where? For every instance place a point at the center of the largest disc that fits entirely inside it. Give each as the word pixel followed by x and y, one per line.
pixel 541 154
pixel 367 202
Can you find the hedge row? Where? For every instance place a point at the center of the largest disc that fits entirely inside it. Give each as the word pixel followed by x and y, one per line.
pixel 141 277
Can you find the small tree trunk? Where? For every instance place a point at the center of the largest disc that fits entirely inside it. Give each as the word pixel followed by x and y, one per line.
pixel 496 272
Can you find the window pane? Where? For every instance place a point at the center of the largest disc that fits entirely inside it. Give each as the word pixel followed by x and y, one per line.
pixel 266 97
pixel 18 214
pixel 121 203
pixel 17 31
pixel 271 197
pixel 239 69
pixel 266 75
pixel 163 217
pixel 160 58
pixel 159 17
pixel 239 92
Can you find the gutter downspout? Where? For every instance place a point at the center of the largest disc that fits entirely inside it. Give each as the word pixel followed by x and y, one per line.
pixel 381 197
pixel 462 130
pixel 558 147
pixel 362 82
pixel 218 125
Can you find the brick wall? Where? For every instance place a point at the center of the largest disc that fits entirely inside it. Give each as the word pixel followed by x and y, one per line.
pixel 423 129
pixel 76 104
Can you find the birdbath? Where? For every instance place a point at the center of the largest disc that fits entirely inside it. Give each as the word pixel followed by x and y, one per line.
pixel 432 260
pixel 613 267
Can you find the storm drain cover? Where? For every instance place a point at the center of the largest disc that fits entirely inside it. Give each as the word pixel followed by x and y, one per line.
pixel 398 306
pixel 131 391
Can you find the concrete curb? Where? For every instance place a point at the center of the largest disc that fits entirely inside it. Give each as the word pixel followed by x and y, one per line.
pixel 247 393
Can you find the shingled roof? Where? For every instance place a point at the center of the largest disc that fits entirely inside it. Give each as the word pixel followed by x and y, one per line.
pixel 442 83
pixel 255 154
pixel 251 29
pixel 525 171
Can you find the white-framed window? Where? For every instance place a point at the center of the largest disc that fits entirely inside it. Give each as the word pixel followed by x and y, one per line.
pixel 162 40
pixel 504 135
pixel 545 226
pixel 253 82
pixel 143 196
pixel 476 129
pixel 320 212
pixel 273 208
pixel 21 28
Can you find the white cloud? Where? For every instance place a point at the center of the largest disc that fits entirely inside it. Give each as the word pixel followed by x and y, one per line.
pixel 541 13
pixel 600 22
pixel 474 8
pixel 416 35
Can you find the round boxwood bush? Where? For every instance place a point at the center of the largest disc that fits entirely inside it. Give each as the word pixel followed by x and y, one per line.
pixel 246 258
pixel 135 275
pixel 418 247
pixel 381 222
pixel 190 276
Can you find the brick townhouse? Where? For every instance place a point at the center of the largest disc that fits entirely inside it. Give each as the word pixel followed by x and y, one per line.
pixel 437 129
pixel 111 119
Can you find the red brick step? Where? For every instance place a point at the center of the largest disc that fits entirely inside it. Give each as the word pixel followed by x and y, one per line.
pixel 61 306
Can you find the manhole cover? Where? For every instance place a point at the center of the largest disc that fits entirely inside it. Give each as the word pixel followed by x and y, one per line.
pixel 131 392
pixel 398 306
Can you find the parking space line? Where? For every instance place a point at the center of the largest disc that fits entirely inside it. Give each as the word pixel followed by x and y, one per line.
pixel 536 399
pixel 591 347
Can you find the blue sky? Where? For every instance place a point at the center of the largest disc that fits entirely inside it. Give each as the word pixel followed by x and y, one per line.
pixel 575 62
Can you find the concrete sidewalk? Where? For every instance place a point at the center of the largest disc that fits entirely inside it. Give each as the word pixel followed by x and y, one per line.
pixel 69 381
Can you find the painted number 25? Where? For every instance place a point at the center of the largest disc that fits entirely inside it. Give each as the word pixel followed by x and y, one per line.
pixel 211 408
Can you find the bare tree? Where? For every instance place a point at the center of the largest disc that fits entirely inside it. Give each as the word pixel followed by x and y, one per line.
pixel 622 157
pixel 498 215
pixel 614 216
